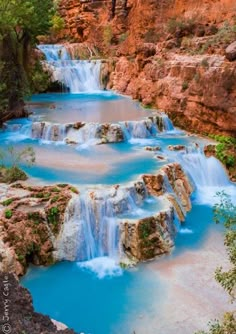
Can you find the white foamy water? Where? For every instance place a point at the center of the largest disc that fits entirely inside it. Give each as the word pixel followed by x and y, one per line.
pixel 185 231
pixel 208 175
pixel 77 75
pixel 102 267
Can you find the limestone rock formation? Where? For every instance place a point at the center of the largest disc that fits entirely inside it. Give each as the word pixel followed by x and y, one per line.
pixel 30 221
pixel 148 237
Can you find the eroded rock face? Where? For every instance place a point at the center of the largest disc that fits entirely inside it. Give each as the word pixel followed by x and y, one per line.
pixel 163 55
pixel 197 92
pixel 30 220
pixel 171 179
pixel 148 237
pixel 23 318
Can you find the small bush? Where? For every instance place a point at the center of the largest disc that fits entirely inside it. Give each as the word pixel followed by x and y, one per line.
pixel 107 35
pixel 182 27
pixel 14 174
pixel 151 36
pixel 185 85
pixel 7 202
pixel 54 199
pixel 123 37
pixel 74 190
pixel 8 214
pixel 205 63
pixel 53 215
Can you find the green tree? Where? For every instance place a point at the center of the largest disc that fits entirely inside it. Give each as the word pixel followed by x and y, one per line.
pixel 21 21
pixel 225 213
pixel 10 161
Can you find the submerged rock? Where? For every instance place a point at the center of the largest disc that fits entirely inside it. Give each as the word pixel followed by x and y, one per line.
pixel 176 147
pixel 153 148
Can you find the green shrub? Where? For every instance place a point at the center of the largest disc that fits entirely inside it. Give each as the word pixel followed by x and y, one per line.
pixel 55 190
pixel 8 213
pixel 123 37
pixel 74 190
pixel 185 85
pixel 53 215
pixel 40 79
pixel 151 36
pixel 7 202
pixel 58 24
pixel 187 25
pixel 35 217
pixel 107 35
pixel 54 199
pixel 225 35
pixel 21 258
pixel 14 174
pixel 10 159
pixel 205 63
pixel 225 149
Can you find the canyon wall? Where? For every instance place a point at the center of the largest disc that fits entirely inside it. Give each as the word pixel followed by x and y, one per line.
pixel 167 54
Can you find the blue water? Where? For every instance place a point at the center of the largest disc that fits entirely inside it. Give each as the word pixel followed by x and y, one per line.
pixel 88 304
pixel 103 106
pixel 80 297
pixel 111 305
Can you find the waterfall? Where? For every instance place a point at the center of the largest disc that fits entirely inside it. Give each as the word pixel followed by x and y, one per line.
pixel 208 175
pixel 148 128
pixel 48 131
pixel 91 228
pixel 54 52
pixel 167 124
pixel 87 135
pixel 77 75
pixel 18 131
pixel 205 172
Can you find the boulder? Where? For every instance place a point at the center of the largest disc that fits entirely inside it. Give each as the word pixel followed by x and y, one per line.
pixel 176 147
pixel 230 52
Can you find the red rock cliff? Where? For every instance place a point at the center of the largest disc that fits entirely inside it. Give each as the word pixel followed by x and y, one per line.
pixel 167 53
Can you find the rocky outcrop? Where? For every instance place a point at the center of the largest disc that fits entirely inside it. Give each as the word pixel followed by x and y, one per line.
pixel 41 225
pixel 148 237
pixel 31 218
pixel 171 55
pixel 18 315
pixel 99 133
pixel 230 52
pixel 197 92
pixel 172 180
pixel 107 205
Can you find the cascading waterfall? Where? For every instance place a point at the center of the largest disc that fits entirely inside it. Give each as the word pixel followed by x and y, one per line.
pixel 167 124
pixel 87 135
pixel 137 129
pixel 54 52
pixel 91 228
pixel 205 172
pixel 98 231
pixel 208 175
pixel 17 132
pixel 77 75
pixel 48 131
